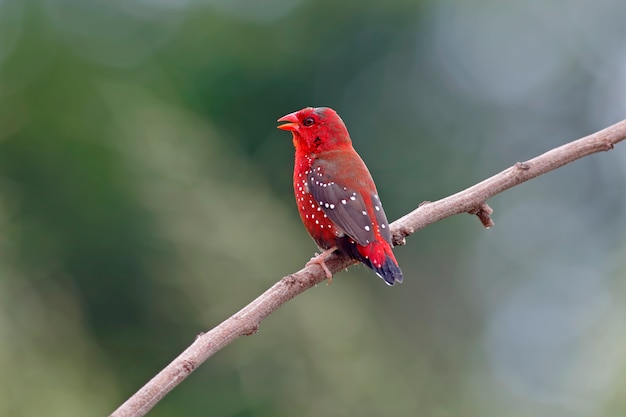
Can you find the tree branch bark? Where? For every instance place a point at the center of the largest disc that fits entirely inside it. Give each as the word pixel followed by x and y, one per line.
pixel 472 200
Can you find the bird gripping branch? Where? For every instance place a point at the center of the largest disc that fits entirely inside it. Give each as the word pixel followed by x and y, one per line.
pixel 336 195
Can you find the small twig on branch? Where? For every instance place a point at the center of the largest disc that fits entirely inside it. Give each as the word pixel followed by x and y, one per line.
pixel 472 200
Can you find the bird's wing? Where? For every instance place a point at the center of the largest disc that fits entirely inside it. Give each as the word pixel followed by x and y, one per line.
pixel 381 218
pixel 347 209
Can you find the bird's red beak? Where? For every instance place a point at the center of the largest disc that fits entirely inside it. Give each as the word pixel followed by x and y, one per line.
pixel 291 122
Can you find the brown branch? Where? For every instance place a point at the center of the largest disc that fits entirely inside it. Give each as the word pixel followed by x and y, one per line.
pixel 472 200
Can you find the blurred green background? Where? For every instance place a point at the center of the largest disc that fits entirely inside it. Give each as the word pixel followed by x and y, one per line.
pixel 145 196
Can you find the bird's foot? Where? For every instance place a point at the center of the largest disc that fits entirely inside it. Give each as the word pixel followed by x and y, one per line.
pixel 321 261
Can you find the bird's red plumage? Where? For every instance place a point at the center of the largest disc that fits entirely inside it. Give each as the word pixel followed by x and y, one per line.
pixel 335 193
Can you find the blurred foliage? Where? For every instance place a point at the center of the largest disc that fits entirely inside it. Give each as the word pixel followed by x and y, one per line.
pixel 145 195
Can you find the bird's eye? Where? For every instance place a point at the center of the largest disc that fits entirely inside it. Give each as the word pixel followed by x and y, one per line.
pixel 308 121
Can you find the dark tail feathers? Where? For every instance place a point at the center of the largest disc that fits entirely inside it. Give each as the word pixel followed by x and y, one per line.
pixel 390 272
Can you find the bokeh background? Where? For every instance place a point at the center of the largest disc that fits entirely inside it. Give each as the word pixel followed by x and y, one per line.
pixel 145 196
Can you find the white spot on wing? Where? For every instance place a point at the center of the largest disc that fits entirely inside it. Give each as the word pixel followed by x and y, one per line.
pixel 367 228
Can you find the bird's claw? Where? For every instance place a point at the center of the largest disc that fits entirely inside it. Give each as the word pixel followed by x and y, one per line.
pixel 320 259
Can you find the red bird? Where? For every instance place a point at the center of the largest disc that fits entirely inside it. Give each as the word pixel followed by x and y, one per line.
pixel 336 195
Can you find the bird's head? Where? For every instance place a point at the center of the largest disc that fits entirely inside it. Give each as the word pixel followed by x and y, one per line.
pixel 316 129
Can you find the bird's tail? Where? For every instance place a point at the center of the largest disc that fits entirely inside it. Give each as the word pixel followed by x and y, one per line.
pixel 389 270
pixel 379 257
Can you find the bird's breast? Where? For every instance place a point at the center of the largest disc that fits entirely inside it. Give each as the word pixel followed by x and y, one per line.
pixel 317 223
